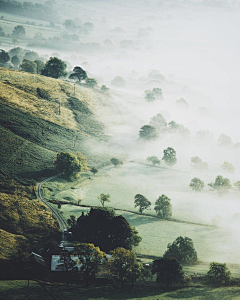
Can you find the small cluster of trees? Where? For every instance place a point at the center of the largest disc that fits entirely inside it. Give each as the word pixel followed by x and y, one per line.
pixel 150 96
pixel 163 206
pixel 198 165
pixel 169 157
pixel 70 164
pixel 77 26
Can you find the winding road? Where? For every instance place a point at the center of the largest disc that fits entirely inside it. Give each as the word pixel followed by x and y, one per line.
pixel 61 221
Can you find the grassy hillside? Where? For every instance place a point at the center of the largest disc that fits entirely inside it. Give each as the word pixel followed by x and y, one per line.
pixel 40 116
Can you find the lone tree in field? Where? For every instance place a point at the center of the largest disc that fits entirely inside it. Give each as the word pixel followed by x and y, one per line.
pixel 148 132
pixel 221 185
pixel 224 140
pixel 169 156
pixel 102 228
pixel 67 163
pixel 182 249
pixel 196 184
pixel 90 258
pixel 78 73
pixel 218 274
pixel 154 160
pixel 228 167
pixel 163 207
pixel 19 32
pixel 169 271
pixel 54 68
pixel 141 202
pixel 94 170
pixel 104 198
pixel 124 265
pixel 116 161
pixel 28 66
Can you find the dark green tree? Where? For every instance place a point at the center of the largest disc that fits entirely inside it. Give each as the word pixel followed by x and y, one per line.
pixel 102 228
pixel 182 249
pixel 54 68
pixel 94 170
pixel 91 83
pixel 141 202
pixel 78 73
pixel 169 271
pixel 67 163
pixel 163 207
pixel 104 198
pixel 66 264
pixel 19 32
pixel 218 274
pixel 196 184
pixel 4 57
pixel 116 161
pixel 148 132
pixel 72 221
pixel 28 66
pixel 169 156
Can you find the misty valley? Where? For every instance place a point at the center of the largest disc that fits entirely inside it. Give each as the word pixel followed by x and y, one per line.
pixel 120 171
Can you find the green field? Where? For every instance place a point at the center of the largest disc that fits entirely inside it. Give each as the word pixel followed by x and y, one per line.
pixel 18 290
pixel 212 243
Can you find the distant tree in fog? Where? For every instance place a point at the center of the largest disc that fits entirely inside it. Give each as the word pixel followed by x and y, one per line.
pixel 15 61
pixel 149 96
pixel 116 161
pixel 91 82
pixel 196 184
pixel 104 89
pixel 69 24
pixel 148 132
pixel 182 103
pixel 2 33
pixel 4 57
pixel 78 73
pixel 228 167
pixel 28 66
pixel 163 207
pixel 154 160
pixel 19 32
pixel 104 198
pixel 54 68
pixel 237 185
pixel 224 140
pixel 159 122
pixel 198 164
pixel 221 185
pixel 18 51
pixel 118 81
pixel 157 92
pixel 182 249
pixel 169 156
pixel 31 55
pixel 204 135
pixel 218 274
pixel 141 202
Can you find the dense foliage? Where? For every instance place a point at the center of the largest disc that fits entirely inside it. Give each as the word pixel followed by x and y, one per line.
pixel 141 202
pixel 218 273
pixel 163 207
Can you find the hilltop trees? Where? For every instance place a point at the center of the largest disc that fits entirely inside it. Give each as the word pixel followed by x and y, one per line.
pixel 28 66
pixel 182 249
pixel 154 160
pixel 163 207
pixel 148 132
pixel 70 164
pixel 104 198
pixel 4 57
pixel 141 202
pixel 54 68
pixel 169 156
pixel 221 185
pixel 124 265
pixel 78 73
pixel 102 228
pixel 196 184
pixel 218 273
pixel 40 65
pixel 168 270
pixel 91 82
pixel 19 32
